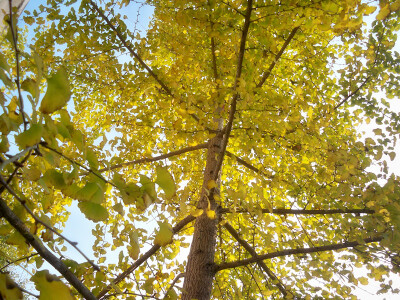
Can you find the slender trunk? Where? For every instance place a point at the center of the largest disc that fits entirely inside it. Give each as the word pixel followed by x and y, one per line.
pixel 199 273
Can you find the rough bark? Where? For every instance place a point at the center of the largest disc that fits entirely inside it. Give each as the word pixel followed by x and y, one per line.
pixel 199 274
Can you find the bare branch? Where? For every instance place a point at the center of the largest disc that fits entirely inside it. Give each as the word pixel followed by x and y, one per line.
pixel 235 98
pixel 37 220
pixel 179 276
pixel 283 211
pixel 277 57
pixel 263 266
pixel 17 156
pixel 17 223
pixel 156 158
pixel 178 227
pixel 287 252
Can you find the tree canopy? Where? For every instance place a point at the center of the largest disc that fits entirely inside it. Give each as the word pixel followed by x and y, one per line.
pixel 229 126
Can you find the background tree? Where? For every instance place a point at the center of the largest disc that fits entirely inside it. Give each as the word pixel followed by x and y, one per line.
pixel 230 123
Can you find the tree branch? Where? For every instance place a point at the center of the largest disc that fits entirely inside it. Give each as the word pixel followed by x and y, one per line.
pixel 283 211
pixel 76 163
pixel 16 157
pixel 352 93
pixel 179 276
pixel 17 260
pixel 37 220
pixel 178 227
pixel 287 252
pixel 277 57
pixel 263 266
pixel 239 69
pixel 129 48
pixel 156 158
pixel 17 223
pixel 243 162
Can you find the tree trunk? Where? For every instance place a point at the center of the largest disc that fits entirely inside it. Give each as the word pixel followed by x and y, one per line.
pixel 199 274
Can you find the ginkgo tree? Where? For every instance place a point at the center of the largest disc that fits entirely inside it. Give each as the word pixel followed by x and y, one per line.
pixel 229 126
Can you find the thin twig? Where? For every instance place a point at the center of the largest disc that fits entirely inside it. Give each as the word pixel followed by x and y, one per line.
pixel 287 252
pixel 143 258
pixel 156 158
pixel 76 163
pixel 129 48
pixel 277 57
pixel 179 276
pixel 275 280
pixel 19 165
pixel 283 211
pixel 352 93
pixel 17 223
pixel 16 156
pixel 17 260
pixel 23 203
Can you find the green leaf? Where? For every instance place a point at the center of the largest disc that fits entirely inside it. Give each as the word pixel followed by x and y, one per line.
pixel 134 248
pixel 383 13
pixel 57 94
pixel 171 295
pixel 166 182
pixel 148 186
pixel 92 159
pixel 4 145
pixel 3 63
pixel 119 208
pixel 29 85
pixel 131 193
pixel 9 289
pixel 91 192
pixel 50 287
pixel 30 137
pixel 6 80
pixel 54 178
pixel 164 235
pixel 93 211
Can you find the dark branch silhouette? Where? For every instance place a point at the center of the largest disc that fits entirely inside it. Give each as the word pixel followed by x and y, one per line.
pixel 277 57
pixel 287 252
pixel 263 266
pixel 156 158
pixel 178 227
pixel 283 211
pixel 17 223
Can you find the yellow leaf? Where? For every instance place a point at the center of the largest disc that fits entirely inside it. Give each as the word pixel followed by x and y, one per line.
pixel 363 280
pixel 384 12
pixel 211 184
pixel 58 92
pixel 166 182
pixel 93 211
pixel 8 288
pixel 50 287
pixel 197 212
pixel 164 235
pixel 369 10
pixel 30 137
pixel 395 6
pixel 134 248
pixel 211 214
